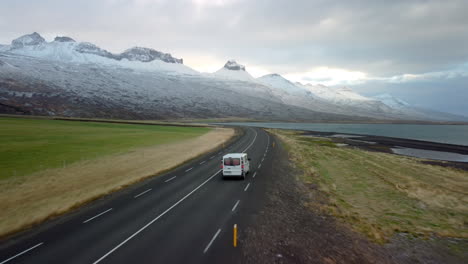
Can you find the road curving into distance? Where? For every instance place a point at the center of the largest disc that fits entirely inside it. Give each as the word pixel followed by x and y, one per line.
pixel 183 216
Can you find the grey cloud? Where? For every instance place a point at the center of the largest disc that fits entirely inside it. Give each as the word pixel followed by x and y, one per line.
pixel 446 95
pixel 382 38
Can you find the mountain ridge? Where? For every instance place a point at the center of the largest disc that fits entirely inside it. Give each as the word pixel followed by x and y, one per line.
pixel 36 42
pixel 232 78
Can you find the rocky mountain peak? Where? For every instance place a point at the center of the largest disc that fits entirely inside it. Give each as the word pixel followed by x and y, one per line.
pixel 147 55
pixel 28 40
pixel 64 39
pixel 274 76
pixel 90 48
pixel 234 66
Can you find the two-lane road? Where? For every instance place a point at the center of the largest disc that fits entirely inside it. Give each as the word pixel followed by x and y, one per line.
pixel 183 216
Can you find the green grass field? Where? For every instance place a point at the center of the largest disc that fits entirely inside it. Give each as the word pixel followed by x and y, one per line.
pixel 30 145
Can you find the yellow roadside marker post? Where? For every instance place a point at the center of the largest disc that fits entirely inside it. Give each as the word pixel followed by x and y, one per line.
pixel 235 236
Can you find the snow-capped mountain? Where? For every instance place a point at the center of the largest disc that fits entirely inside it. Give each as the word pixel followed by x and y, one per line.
pixel 325 99
pixel 234 71
pixel 293 94
pixel 279 82
pixel 33 39
pixel 30 85
pixel 147 55
pixel 70 78
pixel 66 49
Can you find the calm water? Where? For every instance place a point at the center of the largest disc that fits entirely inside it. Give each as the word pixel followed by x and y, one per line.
pixel 451 134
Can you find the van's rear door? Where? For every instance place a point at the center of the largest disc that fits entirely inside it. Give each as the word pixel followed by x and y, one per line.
pixel 232 166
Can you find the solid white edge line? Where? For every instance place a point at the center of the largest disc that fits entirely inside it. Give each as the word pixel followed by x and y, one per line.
pixel 170 179
pixel 155 219
pixel 212 240
pixel 235 206
pixel 202 162
pixel 140 194
pixel 96 216
pixel 247 187
pixel 165 212
pixel 254 175
pixel 19 254
pixel 189 169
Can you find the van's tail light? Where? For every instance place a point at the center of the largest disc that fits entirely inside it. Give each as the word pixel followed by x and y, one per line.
pixel 242 166
pixel 222 166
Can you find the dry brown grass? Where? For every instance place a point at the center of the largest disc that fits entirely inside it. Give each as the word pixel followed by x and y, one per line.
pixel 28 200
pixel 380 193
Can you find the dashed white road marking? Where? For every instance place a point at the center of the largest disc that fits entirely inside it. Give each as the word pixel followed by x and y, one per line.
pixel 98 215
pixel 202 162
pixel 170 179
pixel 247 187
pixel 259 166
pixel 189 169
pixel 253 176
pixel 24 252
pixel 212 240
pixel 212 157
pixel 235 206
pixel 140 194
pixel 156 218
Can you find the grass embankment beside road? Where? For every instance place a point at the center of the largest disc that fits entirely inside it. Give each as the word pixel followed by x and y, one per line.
pixel 380 194
pixel 49 167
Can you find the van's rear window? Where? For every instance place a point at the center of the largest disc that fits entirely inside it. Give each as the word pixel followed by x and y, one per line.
pixel 232 161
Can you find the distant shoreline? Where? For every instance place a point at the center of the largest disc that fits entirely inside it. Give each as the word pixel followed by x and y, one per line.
pixel 385 144
pixel 446 134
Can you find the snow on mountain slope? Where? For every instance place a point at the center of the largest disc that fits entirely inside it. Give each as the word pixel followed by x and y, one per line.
pixel 81 79
pixel 338 95
pixel 233 71
pixel 65 49
pixel 278 81
pixel 36 86
pixel 324 99
pixel 391 101
pixel 4 47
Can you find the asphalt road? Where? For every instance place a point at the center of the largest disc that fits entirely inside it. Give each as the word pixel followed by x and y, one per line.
pixel 184 216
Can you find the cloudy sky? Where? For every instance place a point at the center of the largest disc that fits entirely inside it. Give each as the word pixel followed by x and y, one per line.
pixel 414 50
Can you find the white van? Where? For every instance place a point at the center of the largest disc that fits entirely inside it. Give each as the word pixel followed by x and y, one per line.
pixel 235 164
